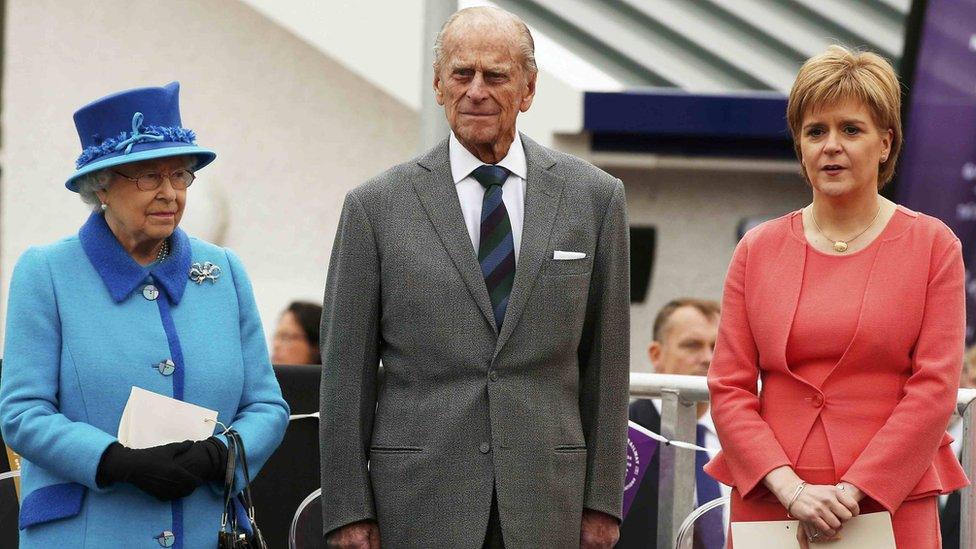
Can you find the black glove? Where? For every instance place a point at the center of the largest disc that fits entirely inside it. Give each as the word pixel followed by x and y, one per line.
pixel 152 470
pixel 206 459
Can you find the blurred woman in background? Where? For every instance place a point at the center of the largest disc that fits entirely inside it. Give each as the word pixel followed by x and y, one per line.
pixel 296 339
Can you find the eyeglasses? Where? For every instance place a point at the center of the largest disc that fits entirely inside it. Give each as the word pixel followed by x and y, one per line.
pixel 179 179
pixel 286 337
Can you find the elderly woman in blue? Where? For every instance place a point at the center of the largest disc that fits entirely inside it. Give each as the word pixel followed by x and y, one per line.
pixel 131 300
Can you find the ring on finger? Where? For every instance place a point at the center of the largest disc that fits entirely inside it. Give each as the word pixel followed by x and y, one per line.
pixel 814 536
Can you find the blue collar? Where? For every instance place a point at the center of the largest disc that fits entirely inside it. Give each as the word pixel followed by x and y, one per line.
pixel 121 274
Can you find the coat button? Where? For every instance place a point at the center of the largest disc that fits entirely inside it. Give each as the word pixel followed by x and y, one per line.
pixel 165 538
pixel 485 447
pixel 493 375
pixel 817 401
pixel 150 292
pixel 166 367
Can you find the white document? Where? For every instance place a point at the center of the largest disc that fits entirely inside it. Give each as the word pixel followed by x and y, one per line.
pixel 151 419
pixel 868 531
pixel 559 254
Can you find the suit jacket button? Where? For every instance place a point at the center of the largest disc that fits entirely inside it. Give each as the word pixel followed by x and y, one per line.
pixel 166 367
pixel 485 447
pixel 817 401
pixel 165 538
pixel 493 375
pixel 150 292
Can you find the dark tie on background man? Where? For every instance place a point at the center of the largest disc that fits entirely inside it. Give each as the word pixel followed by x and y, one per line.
pixel 496 250
pixel 710 531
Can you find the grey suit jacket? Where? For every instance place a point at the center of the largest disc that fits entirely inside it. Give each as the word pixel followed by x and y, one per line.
pixel 536 411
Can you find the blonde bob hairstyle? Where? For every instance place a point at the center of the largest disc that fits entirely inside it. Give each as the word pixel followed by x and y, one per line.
pixel 839 75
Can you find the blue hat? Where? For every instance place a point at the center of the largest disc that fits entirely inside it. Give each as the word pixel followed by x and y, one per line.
pixel 133 125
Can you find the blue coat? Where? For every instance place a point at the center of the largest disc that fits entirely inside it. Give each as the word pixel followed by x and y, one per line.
pixel 82 329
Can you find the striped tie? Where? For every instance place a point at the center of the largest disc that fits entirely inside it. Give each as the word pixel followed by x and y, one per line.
pixel 496 252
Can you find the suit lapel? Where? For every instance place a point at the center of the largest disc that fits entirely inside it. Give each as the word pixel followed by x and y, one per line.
pixel 788 273
pixel 542 191
pixel 438 194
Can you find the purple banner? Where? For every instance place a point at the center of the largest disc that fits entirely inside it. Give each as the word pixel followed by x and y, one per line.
pixel 640 450
pixel 937 174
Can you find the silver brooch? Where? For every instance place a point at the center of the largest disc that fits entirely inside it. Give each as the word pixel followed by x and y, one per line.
pixel 206 271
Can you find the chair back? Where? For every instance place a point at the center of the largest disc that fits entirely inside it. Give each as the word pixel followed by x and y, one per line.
pixel 687 530
pixel 9 509
pixel 306 525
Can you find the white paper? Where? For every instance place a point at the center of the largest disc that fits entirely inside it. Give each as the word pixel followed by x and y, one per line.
pixel 151 419
pixel 868 531
pixel 559 254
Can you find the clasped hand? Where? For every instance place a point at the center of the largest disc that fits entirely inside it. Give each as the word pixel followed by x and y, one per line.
pixel 165 472
pixel 822 510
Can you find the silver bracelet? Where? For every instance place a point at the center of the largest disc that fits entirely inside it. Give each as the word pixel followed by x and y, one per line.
pixel 796 494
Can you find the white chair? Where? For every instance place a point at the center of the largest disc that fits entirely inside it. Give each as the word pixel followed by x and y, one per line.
pixel 306 525
pixel 686 531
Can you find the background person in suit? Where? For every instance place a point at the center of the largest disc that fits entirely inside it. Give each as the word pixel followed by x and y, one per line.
pixel 684 340
pixel 491 277
pixel 851 312
pixel 950 505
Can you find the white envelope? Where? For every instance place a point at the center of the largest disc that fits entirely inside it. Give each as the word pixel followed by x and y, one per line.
pixel 559 254
pixel 151 419
pixel 867 531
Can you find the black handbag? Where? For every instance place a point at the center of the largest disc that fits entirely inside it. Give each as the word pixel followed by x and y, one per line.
pixel 233 534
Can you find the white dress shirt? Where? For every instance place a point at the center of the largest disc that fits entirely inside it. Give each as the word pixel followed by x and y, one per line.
pixel 711 442
pixel 472 194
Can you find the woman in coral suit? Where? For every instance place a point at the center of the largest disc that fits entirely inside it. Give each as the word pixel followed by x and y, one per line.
pixel 851 313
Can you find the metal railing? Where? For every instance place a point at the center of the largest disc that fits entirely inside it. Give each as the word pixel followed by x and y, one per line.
pixel 676 494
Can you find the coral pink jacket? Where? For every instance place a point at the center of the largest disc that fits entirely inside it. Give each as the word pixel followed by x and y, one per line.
pixel 885 405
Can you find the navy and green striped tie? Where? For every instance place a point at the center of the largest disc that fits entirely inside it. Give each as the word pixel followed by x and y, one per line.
pixel 496 251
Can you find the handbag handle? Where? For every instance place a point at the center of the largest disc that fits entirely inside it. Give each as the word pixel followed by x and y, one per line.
pixel 246 498
pixel 229 473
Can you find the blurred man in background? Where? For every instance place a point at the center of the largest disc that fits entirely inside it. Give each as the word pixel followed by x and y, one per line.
pixel 684 338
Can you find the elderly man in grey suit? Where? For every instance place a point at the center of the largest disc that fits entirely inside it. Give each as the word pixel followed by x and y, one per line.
pixel 490 276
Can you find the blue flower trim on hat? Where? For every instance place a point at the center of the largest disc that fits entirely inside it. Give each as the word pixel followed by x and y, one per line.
pixel 139 134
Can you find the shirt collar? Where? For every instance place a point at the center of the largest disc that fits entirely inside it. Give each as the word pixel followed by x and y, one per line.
pixel 121 274
pixel 463 162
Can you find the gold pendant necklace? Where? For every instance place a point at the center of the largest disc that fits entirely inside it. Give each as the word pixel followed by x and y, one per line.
pixel 841 246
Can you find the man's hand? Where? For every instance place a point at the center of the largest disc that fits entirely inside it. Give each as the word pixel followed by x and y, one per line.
pixel 598 530
pixel 364 534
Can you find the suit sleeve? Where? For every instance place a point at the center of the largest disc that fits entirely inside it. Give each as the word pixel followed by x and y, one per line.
pixel 32 422
pixel 901 451
pixel 749 447
pixel 262 415
pixel 604 361
pixel 350 335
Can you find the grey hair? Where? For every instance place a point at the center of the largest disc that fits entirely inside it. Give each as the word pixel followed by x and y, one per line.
pixel 89 183
pixel 526 44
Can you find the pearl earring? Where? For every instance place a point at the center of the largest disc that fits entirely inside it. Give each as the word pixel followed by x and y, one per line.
pixel 104 206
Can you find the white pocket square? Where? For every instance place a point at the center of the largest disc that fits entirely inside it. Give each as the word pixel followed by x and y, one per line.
pixel 561 255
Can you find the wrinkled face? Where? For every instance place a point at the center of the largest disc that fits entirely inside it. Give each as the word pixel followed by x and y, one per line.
pixel 482 86
pixel 145 215
pixel 290 345
pixel 688 343
pixel 842 148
